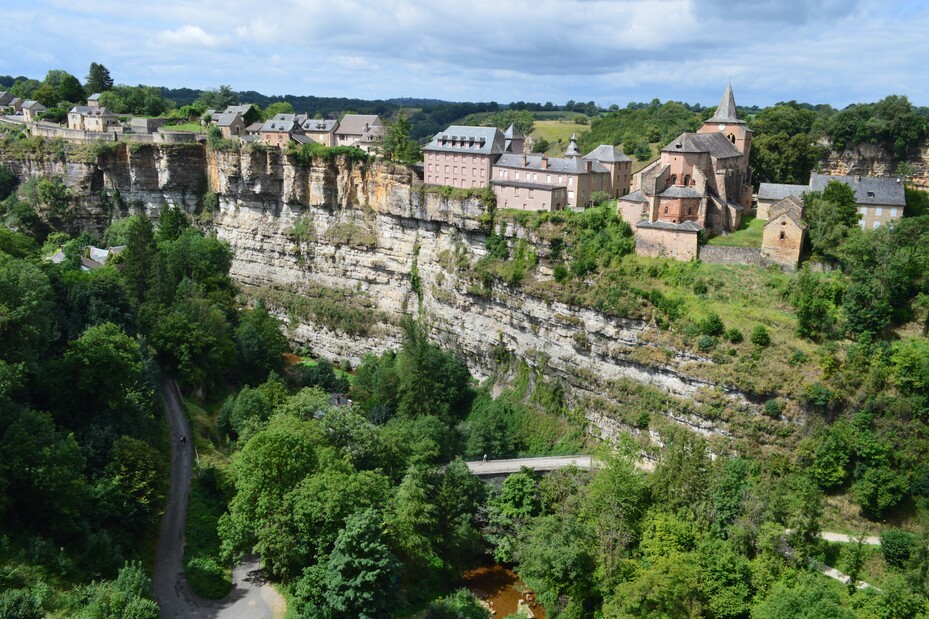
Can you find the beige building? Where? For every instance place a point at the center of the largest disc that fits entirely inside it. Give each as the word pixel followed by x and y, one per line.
pixel 92 119
pixel 579 177
pixel 31 110
pixel 278 130
pixel 364 131
pixel 230 124
pixel 94 100
pixel 319 130
pixel 784 233
pixel 771 193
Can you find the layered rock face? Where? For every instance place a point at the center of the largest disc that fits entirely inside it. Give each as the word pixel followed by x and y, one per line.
pixel 368 234
pixel 876 160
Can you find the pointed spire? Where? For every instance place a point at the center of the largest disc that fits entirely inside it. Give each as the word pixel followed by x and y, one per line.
pixel 512 132
pixel 573 150
pixel 726 112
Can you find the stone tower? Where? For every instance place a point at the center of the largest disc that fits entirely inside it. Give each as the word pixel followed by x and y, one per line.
pixel 727 122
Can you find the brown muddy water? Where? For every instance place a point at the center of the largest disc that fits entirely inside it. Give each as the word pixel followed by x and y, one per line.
pixel 502 589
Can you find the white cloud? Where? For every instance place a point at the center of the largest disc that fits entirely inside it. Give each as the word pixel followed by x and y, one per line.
pixel 190 36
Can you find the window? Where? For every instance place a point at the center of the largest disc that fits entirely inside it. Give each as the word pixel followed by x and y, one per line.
pixel 570 181
pixel 530 194
pixel 687 179
pixel 446 169
pixel 876 225
pixel 429 168
pixel 548 178
pixel 666 210
pixel 870 194
pixel 732 138
pixel 878 211
pixel 673 180
pixel 501 173
pixel 782 236
pixel 893 212
pixel 517 175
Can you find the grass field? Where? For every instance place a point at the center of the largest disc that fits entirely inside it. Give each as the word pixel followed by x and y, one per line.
pixel 193 127
pixel 557 132
pixel 748 235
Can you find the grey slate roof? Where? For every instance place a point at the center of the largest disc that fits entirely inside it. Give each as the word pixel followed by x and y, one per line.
pixel 238 109
pixel 358 124
pixel 302 139
pixel 255 127
pixel 567 165
pixel 281 122
pixel 94 97
pixel 607 154
pixel 318 125
pixel 512 132
pixel 87 110
pixel 523 184
pixel 715 144
pixel 677 191
pixel 465 139
pixel 226 118
pixel 35 106
pixel 779 191
pixel 789 214
pixel 726 112
pixel 635 196
pixel 686 226
pixel 5 97
pixel 880 191
pixel 790 206
pixel 572 150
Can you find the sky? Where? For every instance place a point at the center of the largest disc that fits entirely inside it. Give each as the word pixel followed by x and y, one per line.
pixel 608 51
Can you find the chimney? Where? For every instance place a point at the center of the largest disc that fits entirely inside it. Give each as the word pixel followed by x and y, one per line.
pixel 587 165
pixel 544 162
pixel 524 160
pixel 858 178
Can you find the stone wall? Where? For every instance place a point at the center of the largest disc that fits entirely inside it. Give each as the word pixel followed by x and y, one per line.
pixel 661 243
pixel 718 254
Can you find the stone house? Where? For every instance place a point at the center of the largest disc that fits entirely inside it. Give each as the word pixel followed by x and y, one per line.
pixel 230 124
pixel 278 130
pixel 146 125
pixel 578 176
pixel 15 105
pixel 360 130
pixel 92 119
pixel 5 98
pixel 879 199
pixel 784 233
pixel 31 110
pixel 619 166
pixel 701 179
pixel 94 100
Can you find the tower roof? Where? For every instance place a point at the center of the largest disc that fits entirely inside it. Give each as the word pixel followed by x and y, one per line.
pixel 512 132
pixel 726 112
pixel 573 150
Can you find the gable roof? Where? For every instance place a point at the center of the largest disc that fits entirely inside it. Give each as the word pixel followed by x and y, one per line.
pixel 319 125
pixel 567 165
pixel 226 118
pixel 280 123
pixel 90 110
pixel 358 124
pixel 607 154
pixel 790 214
pixel 5 97
pixel 714 143
pixel 791 204
pixel 512 132
pixel 462 138
pixel 35 106
pixel 635 196
pixel 94 97
pixel 726 112
pixel 779 191
pixel 678 191
pixel 880 191
pixel 238 109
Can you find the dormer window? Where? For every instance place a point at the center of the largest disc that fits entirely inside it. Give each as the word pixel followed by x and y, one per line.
pixel 870 194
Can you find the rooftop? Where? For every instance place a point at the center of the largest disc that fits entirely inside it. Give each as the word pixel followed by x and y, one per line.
pixel 567 165
pixel 358 124
pixel 461 138
pixel 607 154
pixel 679 191
pixel 779 191
pixel 686 226
pixel 879 191
pixel 715 144
pixel 635 196
pixel 726 112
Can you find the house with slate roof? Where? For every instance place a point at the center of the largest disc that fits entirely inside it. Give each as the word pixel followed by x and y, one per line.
pixel 94 100
pixel 230 124
pixel 462 156
pixel 279 130
pixel 879 199
pixel 5 98
pixel 91 118
pixel 319 130
pixel 363 131
pixel 31 110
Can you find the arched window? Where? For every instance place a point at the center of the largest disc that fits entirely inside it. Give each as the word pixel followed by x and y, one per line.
pixel 686 179
pixel 782 235
pixel 732 138
pixel 690 210
pixel 674 179
pixel 666 210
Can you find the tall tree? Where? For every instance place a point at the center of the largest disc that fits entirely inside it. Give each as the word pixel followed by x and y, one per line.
pixel 98 79
pixel 397 144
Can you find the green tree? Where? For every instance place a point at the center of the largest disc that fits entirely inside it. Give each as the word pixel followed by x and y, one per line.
pixel 261 344
pixel 133 484
pixel 397 144
pixel 669 587
pixel 681 478
pixel 462 604
pixel 172 221
pixel 70 89
pixel 831 217
pixel 27 322
pixel 194 342
pixel 138 256
pixel 361 569
pixel 219 98
pixel 808 598
pixel 273 109
pixel 98 79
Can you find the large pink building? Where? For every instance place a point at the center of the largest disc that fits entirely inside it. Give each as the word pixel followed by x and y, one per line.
pixel 462 156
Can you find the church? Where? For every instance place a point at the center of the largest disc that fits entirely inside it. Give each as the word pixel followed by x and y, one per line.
pixel 701 181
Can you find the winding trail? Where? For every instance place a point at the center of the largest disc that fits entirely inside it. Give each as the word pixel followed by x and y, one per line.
pixel 251 596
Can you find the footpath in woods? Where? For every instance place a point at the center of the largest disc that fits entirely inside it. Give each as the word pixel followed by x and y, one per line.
pixel 252 597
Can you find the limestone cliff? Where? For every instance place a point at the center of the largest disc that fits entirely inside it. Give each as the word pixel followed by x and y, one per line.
pixel 869 159
pixel 343 250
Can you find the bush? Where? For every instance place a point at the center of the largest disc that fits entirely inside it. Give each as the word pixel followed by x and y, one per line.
pixel 712 325
pixel 760 336
pixel 734 335
pixel 207 577
pixel 560 272
pixel 706 343
pixel 896 546
pixel 772 409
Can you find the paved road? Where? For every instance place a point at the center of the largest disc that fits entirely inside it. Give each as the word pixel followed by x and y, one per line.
pixel 251 596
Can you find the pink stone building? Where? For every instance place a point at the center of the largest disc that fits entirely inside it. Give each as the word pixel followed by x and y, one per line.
pixel 462 156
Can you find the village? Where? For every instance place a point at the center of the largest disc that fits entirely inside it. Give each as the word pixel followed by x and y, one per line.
pixel 699 187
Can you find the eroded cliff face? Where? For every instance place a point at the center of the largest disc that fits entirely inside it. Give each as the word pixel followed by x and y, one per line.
pixel 367 234
pixel 877 160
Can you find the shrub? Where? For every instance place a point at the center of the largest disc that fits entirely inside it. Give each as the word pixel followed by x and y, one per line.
pixel 560 272
pixel 706 343
pixel 734 335
pixel 772 409
pixel 700 287
pixel 896 546
pixel 712 325
pixel 207 577
pixel 760 336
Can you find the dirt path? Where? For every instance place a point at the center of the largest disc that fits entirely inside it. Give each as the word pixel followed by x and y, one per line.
pixel 251 596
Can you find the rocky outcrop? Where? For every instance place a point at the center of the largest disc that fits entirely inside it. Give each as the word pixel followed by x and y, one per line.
pixel 361 230
pixel 869 159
